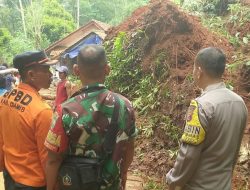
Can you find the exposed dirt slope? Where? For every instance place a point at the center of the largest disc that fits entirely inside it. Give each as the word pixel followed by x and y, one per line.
pixel 171 39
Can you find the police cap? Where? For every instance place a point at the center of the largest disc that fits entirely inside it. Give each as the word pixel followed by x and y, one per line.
pixel 32 58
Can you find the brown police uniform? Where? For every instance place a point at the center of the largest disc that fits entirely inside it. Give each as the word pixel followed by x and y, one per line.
pixel 211 141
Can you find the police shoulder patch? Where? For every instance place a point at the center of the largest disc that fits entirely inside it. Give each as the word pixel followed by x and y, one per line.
pixel 194 133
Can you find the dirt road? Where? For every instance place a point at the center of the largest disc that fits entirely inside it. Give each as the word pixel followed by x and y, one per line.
pixel 134 183
pixel 1 181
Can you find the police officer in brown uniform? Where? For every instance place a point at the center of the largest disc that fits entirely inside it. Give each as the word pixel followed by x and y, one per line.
pixel 215 123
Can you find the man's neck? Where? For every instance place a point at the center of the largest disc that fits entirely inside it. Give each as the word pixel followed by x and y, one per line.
pixel 33 86
pixel 210 82
pixel 90 82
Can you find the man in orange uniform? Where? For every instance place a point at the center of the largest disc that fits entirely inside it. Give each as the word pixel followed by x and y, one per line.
pixel 24 123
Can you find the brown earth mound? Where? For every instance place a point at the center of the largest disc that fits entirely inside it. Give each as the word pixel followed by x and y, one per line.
pixel 245 2
pixel 243 29
pixel 171 38
pixel 169 29
pixel 245 78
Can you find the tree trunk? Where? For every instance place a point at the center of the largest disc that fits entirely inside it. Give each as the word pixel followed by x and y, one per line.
pixel 23 19
pixel 78 14
pixel 222 7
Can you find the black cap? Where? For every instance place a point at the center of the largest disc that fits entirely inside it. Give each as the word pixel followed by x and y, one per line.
pixel 32 58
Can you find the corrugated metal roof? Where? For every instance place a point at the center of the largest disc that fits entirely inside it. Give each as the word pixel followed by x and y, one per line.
pixel 97 27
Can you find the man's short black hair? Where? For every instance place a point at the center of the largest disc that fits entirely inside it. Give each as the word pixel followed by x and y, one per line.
pixel 212 60
pixel 91 60
pixel 23 73
pixel 2 82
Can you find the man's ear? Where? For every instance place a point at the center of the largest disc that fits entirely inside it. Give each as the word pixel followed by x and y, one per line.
pixel 76 70
pixel 200 72
pixel 107 69
pixel 31 75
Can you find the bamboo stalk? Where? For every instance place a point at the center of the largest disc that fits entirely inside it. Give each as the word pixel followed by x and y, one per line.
pixel 23 19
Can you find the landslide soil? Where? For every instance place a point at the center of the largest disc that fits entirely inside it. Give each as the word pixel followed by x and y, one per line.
pixel 178 36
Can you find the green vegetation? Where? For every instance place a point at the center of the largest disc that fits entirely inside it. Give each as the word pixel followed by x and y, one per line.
pixel 35 24
pixel 112 11
pixel 128 77
pixel 39 23
pixel 145 89
pixel 56 20
pixel 146 86
pixel 152 185
pixel 228 19
pixel 208 7
pixel 235 15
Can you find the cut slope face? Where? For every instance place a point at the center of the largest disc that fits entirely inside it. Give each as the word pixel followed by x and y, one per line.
pixel 170 30
pixel 168 40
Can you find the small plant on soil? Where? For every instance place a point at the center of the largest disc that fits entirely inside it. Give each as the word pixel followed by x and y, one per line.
pixel 127 76
pixel 238 14
pixel 124 72
pixel 152 185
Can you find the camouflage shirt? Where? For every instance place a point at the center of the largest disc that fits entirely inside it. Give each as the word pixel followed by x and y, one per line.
pixel 80 125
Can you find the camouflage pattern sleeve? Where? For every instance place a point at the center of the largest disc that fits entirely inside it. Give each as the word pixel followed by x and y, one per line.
pixel 126 131
pixel 57 140
pixel 130 120
pixel 126 126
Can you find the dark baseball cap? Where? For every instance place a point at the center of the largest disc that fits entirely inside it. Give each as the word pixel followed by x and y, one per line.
pixel 32 58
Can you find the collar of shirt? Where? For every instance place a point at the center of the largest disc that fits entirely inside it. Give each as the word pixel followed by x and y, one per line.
pixel 94 86
pixel 29 88
pixel 214 87
pixel 90 88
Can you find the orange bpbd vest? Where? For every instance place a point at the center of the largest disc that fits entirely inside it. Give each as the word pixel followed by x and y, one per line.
pixel 24 123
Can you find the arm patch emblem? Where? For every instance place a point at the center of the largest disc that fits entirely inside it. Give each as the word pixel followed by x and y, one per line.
pixel 53 139
pixel 193 133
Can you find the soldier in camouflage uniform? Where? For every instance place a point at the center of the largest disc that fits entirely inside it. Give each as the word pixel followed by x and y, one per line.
pixel 81 124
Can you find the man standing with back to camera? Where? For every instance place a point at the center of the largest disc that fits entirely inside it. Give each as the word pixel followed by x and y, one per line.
pixel 215 123
pixel 95 126
pixel 24 123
